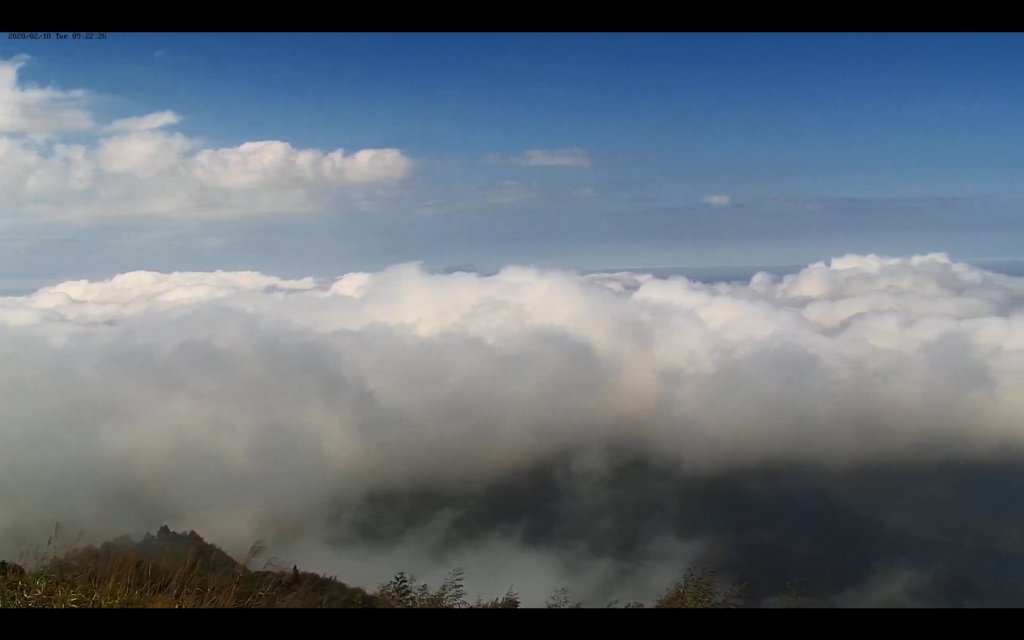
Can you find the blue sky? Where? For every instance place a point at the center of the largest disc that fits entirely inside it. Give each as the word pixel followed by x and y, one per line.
pixel 578 150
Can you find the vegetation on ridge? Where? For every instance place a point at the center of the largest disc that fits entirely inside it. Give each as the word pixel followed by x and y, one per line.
pixel 181 570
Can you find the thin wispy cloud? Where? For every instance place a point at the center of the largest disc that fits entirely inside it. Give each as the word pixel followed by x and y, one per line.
pixel 719 200
pixel 511 192
pixel 572 158
pixel 145 123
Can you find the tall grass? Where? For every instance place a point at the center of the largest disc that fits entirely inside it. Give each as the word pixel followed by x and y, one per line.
pixel 181 570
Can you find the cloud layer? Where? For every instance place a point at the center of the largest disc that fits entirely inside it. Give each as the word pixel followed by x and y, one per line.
pixel 245 406
pixel 136 166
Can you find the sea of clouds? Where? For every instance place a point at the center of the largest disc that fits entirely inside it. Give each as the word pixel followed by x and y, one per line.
pixel 247 406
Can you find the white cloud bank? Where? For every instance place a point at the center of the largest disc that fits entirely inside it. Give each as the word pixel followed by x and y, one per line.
pixel 238 403
pixel 137 167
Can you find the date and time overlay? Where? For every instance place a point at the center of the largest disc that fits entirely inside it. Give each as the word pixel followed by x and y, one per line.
pixel 56 35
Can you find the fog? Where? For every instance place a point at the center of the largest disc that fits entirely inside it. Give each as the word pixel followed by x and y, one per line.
pixel 539 428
